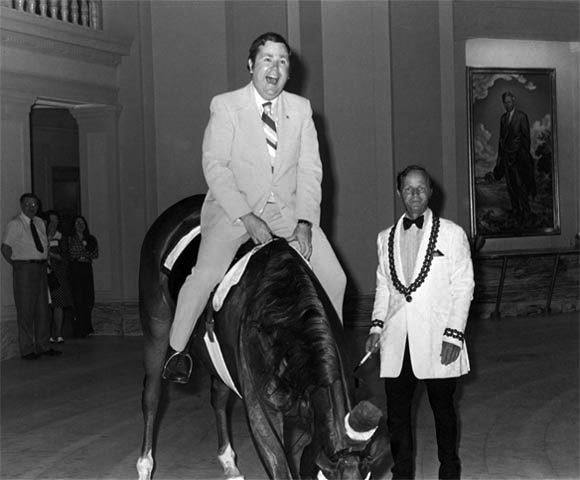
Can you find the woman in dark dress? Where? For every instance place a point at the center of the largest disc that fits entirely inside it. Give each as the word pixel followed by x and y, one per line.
pixel 82 250
pixel 60 295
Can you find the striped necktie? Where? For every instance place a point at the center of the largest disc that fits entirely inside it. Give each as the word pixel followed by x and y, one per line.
pixel 270 129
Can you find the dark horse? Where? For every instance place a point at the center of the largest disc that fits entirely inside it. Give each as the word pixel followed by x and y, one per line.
pixel 281 340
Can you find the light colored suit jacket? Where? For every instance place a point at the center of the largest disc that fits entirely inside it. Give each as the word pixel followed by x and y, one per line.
pixel 237 168
pixel 439 307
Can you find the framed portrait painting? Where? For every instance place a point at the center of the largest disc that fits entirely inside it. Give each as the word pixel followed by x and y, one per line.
pixel 512 152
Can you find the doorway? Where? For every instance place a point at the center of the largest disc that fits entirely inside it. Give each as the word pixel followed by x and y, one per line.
pixel 55 162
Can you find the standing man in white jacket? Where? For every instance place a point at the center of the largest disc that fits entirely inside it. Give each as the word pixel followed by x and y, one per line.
pixel 423 293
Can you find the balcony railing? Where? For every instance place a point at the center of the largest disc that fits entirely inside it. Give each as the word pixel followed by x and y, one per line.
pixel 85 13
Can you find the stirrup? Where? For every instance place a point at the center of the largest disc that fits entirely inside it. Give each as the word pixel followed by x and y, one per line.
pixel 174 375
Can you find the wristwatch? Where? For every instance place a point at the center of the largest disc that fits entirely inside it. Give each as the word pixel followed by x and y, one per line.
pixel 304 222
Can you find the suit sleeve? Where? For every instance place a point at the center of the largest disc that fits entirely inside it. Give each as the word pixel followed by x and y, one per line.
pixel 309 176
pixel 216 159
pixel 382 294
pixel 524 127
pixel 462 285
pixel 499 169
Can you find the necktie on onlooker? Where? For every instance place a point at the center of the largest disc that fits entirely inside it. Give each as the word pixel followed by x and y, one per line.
pixel 270 129
pixel 35 236
pixel 407 222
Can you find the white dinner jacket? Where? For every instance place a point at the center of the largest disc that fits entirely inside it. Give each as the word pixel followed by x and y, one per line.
pixel 439 307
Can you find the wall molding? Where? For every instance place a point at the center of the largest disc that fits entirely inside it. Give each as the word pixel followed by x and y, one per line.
pixel 41 86
pixel 45 35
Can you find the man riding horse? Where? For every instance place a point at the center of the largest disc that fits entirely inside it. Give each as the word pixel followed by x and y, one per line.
pixel 281 343
pixel 262 165
pixel 279 327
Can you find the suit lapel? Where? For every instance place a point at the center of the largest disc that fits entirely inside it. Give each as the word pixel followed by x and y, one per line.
pixel 397 253
pixel 424 244
pixel 251 126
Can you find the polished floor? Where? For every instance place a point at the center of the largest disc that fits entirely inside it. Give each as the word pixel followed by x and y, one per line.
pixel 78 416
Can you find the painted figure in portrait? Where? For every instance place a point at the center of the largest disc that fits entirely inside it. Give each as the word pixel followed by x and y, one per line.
pixel 513 161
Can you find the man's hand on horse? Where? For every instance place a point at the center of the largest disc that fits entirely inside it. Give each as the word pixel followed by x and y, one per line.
pixel 303 236
pixel 257 229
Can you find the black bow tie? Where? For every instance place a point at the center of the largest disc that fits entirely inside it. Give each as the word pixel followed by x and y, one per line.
pixel 407 222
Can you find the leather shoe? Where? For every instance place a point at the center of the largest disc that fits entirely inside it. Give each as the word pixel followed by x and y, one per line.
pixel 177 367
pixel 31 356
pixel 52 353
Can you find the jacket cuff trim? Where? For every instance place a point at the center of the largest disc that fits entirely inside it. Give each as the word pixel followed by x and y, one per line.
pixel 451 332
pixel 377 323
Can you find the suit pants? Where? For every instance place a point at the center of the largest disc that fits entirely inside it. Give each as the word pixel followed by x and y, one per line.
pixel 215 256
pixel 32 308
pixel 517 190
pixel 400 392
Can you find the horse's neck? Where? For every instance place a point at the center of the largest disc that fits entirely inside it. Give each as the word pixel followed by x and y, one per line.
pixel 330 405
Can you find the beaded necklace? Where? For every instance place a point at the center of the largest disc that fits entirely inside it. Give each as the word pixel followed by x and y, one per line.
pixel 407 291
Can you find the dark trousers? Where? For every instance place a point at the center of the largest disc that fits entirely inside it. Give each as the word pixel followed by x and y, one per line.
pixel 400 392
pixel 32 310
pixel 83 293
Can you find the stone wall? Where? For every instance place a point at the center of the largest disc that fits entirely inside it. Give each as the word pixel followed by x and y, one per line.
pixel 525 291
pixel 526 286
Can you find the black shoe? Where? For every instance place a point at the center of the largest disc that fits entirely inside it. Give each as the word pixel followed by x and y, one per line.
pixel 51 352
pixel 177 367
pixel 31 356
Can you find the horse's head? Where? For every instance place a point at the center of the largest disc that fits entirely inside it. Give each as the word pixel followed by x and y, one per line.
pixel 291 345
pixel 356 459
pixel 344 465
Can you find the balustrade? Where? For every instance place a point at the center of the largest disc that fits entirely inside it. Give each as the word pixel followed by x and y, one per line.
pixel 85 13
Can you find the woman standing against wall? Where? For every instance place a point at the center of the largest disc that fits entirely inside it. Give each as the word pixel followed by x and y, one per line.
pixel 60 293
pixel 82 250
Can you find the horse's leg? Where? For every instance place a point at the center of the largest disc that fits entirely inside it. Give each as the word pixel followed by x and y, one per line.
pixel 220 394
pixel 154 354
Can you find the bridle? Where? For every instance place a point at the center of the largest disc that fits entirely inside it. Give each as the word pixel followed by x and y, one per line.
pixel 340 457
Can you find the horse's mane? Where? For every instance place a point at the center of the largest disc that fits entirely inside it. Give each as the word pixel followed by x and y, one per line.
pixel 287 330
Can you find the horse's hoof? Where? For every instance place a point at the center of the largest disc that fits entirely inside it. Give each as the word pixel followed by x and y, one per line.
pixel 145 466
pixel 227 460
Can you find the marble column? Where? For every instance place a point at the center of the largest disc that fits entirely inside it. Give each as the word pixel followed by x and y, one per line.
pixel 15 179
